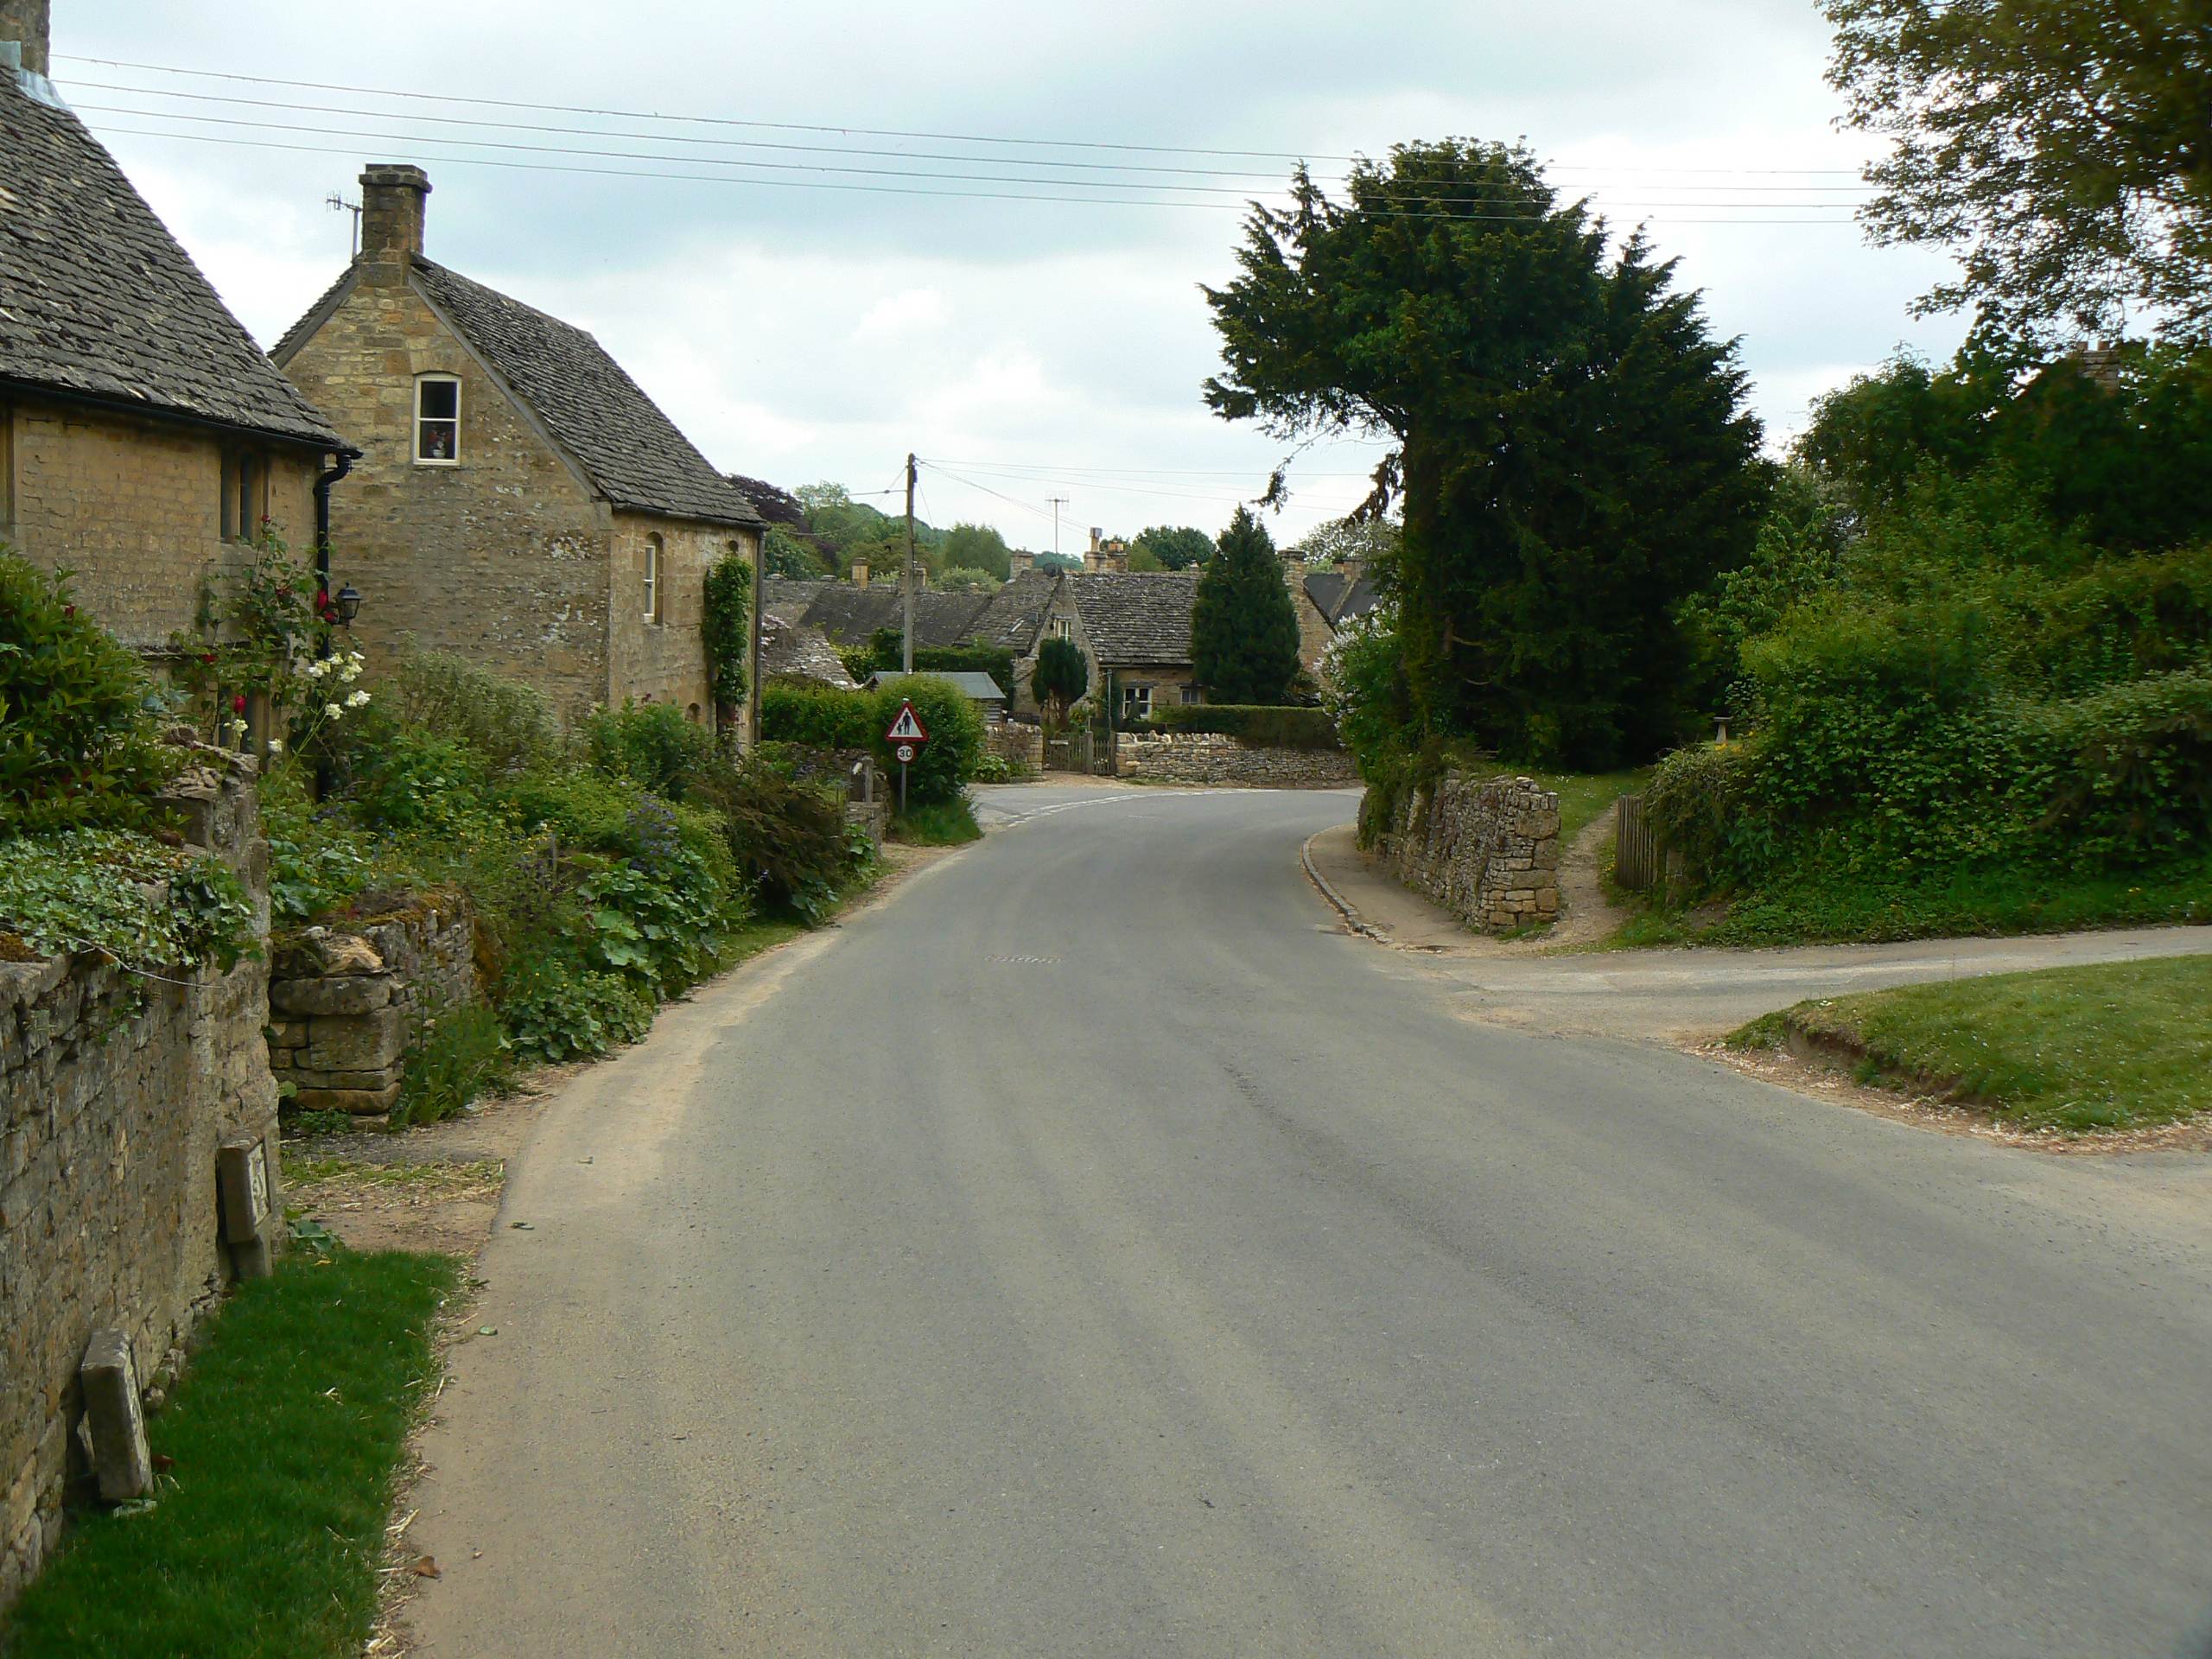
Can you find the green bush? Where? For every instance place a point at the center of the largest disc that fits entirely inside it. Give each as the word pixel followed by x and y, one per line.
pixel 318 860
pixel 453 1056
pixel 819 717
pixel 558 1012
pixel 725 628
pixel 885 651
pixel 651 744
pixel 1259 725
pixel 1696 804
pixel 508 724
pixel 400 778
pixel 826 718
pixel 101 890
pixel 79 743
pixel 790 837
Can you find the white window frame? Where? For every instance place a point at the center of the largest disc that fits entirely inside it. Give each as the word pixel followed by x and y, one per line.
pixel 1136 703
pixel 420 420
pixel 1063 628
pixel 655 550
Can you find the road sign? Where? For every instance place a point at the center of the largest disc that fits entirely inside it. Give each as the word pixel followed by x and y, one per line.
pixel 905 751
pixel 906 727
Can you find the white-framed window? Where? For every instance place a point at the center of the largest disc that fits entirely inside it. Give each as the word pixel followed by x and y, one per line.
pixel 437 420
pixel 1136 703
pixel 654 551
pixel 1063 628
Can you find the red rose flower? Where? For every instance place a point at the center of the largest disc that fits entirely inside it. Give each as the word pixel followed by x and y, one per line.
pixel 237 703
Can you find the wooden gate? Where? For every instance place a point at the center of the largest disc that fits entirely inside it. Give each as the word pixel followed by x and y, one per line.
pixel 1637 858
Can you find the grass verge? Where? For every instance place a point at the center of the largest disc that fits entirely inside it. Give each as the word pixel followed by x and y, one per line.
pixel 1965 905
pixel 943 823
pixel 2117 1045
pixel 279 1452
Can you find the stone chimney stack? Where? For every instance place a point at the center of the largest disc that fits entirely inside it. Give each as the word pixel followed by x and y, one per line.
pixel 860 573
pixel 26 21
pixel 1020 562
pixel 1094 557
pixel 391 214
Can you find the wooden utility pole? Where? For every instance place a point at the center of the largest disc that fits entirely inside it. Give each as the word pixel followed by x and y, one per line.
pixel 906 649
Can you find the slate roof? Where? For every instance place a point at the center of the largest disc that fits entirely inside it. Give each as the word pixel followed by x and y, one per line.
pixel 1138 616
pixel 97 299
pixel 976 687
pixel 1017 612
pixel 1339 598
pixel 793 651
pixel 594 410
pixel 849 614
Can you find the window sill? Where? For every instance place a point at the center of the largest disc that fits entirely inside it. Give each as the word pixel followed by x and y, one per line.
pixel 424 461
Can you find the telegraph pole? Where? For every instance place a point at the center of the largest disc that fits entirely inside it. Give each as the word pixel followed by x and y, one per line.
pixel 1058 501
pixel 906 650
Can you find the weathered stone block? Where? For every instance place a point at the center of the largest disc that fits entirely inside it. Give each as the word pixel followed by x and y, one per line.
pixel 367 1042
pixel 362 1103
pixel 113 1421
pixel 347 993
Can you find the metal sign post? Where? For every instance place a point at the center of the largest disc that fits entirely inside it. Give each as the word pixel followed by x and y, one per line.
pixel 905 736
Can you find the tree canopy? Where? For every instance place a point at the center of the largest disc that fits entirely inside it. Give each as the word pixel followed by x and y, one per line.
pixel 1176 546
pixel 977 547
pixel 2062 148
pixel 1243 631
pixel 1573 455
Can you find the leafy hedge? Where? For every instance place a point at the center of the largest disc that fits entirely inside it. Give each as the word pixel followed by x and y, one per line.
pixel 823 716
pixel 79 742
pixel 1261 726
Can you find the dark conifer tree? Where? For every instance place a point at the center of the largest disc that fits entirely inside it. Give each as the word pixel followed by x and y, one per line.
pixel 1243 631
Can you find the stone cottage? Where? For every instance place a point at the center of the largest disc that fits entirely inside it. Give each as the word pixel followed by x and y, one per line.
pixel 1135 628
pixel 144 438
pixel 520 499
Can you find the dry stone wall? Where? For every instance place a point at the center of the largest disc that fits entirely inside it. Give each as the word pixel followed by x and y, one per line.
pixel 345 1001
pixel 1216 757
pixel 116 1091
pixel 1486 848
pixel 1017 743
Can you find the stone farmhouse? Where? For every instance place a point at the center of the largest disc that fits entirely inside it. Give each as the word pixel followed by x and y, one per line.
pixel 144 438
pixel 520 499
pixel 1325 601
pixel 1016 618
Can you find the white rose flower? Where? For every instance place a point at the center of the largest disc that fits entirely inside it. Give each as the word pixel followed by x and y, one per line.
pixel 237 729
pixel 317 669
pixel 275 745
pixel 357 699
pixel 351 672
pixel 332 710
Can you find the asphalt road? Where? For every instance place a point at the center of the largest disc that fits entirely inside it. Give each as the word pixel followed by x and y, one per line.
pixel 1093 1251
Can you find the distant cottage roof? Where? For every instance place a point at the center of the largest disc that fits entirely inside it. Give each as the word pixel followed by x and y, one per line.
pixel 602 419
pixel 793 651
pixel 1136 618
pixel 1339 598
pixel 1017 612
pixel 98 301
pixel 972 684
pixel 849 614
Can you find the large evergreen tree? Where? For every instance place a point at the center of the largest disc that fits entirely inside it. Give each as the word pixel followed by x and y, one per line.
pixel 1571 453
pixel 1243 631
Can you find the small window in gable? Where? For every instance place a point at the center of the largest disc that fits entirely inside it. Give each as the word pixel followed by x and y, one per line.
pixel 437 420
pixel 654 551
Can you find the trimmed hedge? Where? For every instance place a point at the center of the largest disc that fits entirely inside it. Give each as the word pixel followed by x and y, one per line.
pixel 1259 725
pixel 825 717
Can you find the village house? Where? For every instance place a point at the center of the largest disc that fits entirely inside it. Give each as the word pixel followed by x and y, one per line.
pixel 1134 629
pixel 145 441
pixel 520 499
pixel 1326 602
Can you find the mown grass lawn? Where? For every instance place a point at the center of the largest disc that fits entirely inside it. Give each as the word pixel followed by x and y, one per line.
pixel 2115 1046
pixel 279 1453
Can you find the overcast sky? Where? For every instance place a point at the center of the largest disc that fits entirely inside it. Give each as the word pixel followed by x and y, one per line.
pixel 1034 348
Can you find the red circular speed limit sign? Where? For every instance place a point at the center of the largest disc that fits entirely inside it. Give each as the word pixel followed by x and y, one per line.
pixel 905 751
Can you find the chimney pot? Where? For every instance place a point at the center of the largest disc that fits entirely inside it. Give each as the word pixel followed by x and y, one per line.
pixel 860 573
pixel 392 196
pixel 28 22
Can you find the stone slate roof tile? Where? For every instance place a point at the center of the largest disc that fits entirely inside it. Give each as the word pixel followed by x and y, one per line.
pixel 848 615
pixel 1139 617
pixel 1327 589
pixel 793 651
pixel 1017 612
pixel 97 299
pixel 632 451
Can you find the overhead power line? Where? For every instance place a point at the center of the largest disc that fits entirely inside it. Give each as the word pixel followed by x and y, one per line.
pixel 825 129
pixel 1064 164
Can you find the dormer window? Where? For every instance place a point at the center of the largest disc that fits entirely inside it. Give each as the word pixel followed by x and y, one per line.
pixel 437 420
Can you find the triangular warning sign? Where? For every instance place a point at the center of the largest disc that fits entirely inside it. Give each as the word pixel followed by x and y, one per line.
pixel 906 728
